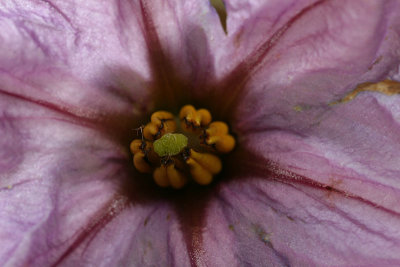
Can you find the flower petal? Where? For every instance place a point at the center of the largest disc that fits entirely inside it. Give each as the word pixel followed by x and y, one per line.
pixel 251 23
pixel 69 39
pixel 84 38
pixel 59 52
pixel 355 144
pixel 265 222
pixel 141 235
pixel 353 148
pixel 182 51
pixel 62 201
pixel 55 176
pixel 321 52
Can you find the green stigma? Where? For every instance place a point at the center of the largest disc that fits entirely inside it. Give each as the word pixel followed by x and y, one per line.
pixel 170 144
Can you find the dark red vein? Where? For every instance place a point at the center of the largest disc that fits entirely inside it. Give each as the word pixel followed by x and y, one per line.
pixel 48 105
pixel 234 84
pixel 106 214
pixel 162 69
pixel 279 174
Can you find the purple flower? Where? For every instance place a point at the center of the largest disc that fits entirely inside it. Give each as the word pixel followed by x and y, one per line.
pixel 313 181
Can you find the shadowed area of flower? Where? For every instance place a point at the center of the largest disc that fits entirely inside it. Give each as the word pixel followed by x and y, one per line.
pixel 308 184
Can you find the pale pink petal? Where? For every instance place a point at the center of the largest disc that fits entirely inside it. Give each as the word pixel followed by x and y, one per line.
pixel 63 200
pixel 262 222
pixel 185 39
pixel 354 147
pixel 89 39
pixel 250 24
pixel 53 179
pixel 323 51
pixel 119 49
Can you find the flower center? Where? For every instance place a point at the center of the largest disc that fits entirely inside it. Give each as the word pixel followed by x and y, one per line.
pixel 179 150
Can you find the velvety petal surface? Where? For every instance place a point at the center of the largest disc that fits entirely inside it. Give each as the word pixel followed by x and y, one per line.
pixel 357 139
pixel 314 57
pixel 342 208
pixel 51 184
pixel 265 222
pixel 61 194
pixel 84 57
pixel 122 49
pixel 252 28
pixel 62 203
pixel 65 79
pixel 83 38
pixel 185 39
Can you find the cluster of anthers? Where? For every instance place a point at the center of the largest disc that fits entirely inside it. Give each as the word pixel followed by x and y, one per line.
pixel 177 150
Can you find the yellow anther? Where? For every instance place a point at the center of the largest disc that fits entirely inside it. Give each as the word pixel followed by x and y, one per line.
pixel 165 121
pixel 217 128
pixel 203 117
pixel 199 174
pixel 160 176
pixel 162 147
pixel 193 118
pixel 139 160
pixel 203 166
pixel 162 122
pixel 223 144
pixel 150 131
pixel 176 178
pixel 159 116
pixel 187 111
pixel 209 161
pixel 143 154
pixel 168 175
pixel 141 146
pixel 136 146
pixel 217 135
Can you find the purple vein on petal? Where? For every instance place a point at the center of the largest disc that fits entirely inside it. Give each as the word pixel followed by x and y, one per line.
pixel 59 11
pixel 106 214
pixel 346 215
pixel 279 174
pixel 103 122
pixel 162 71
pixel 233 85
pixel 191 209
pixel 57 108
pixel 191 205
pixel 66 18
pixel 260 232
pixel 11 186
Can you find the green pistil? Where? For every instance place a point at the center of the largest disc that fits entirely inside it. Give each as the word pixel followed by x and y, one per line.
pixel 170 144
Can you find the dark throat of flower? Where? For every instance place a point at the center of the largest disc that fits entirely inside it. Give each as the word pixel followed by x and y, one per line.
pixel 183 149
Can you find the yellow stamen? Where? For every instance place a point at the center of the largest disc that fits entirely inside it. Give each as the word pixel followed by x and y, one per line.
pixel 143 155
pixel 136 146
pixel 169 154
pixel 217 128
pixel 162 122
pixel 203 166
pixel 193 118
pixel 140 163
pixel 160 116
pixel 160 176
pixel 168 175
pixel 176 178
pixel 150 131
pixel 217 134
pixel 164 119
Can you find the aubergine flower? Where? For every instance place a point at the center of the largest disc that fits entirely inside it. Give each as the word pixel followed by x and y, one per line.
pixel 308 89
